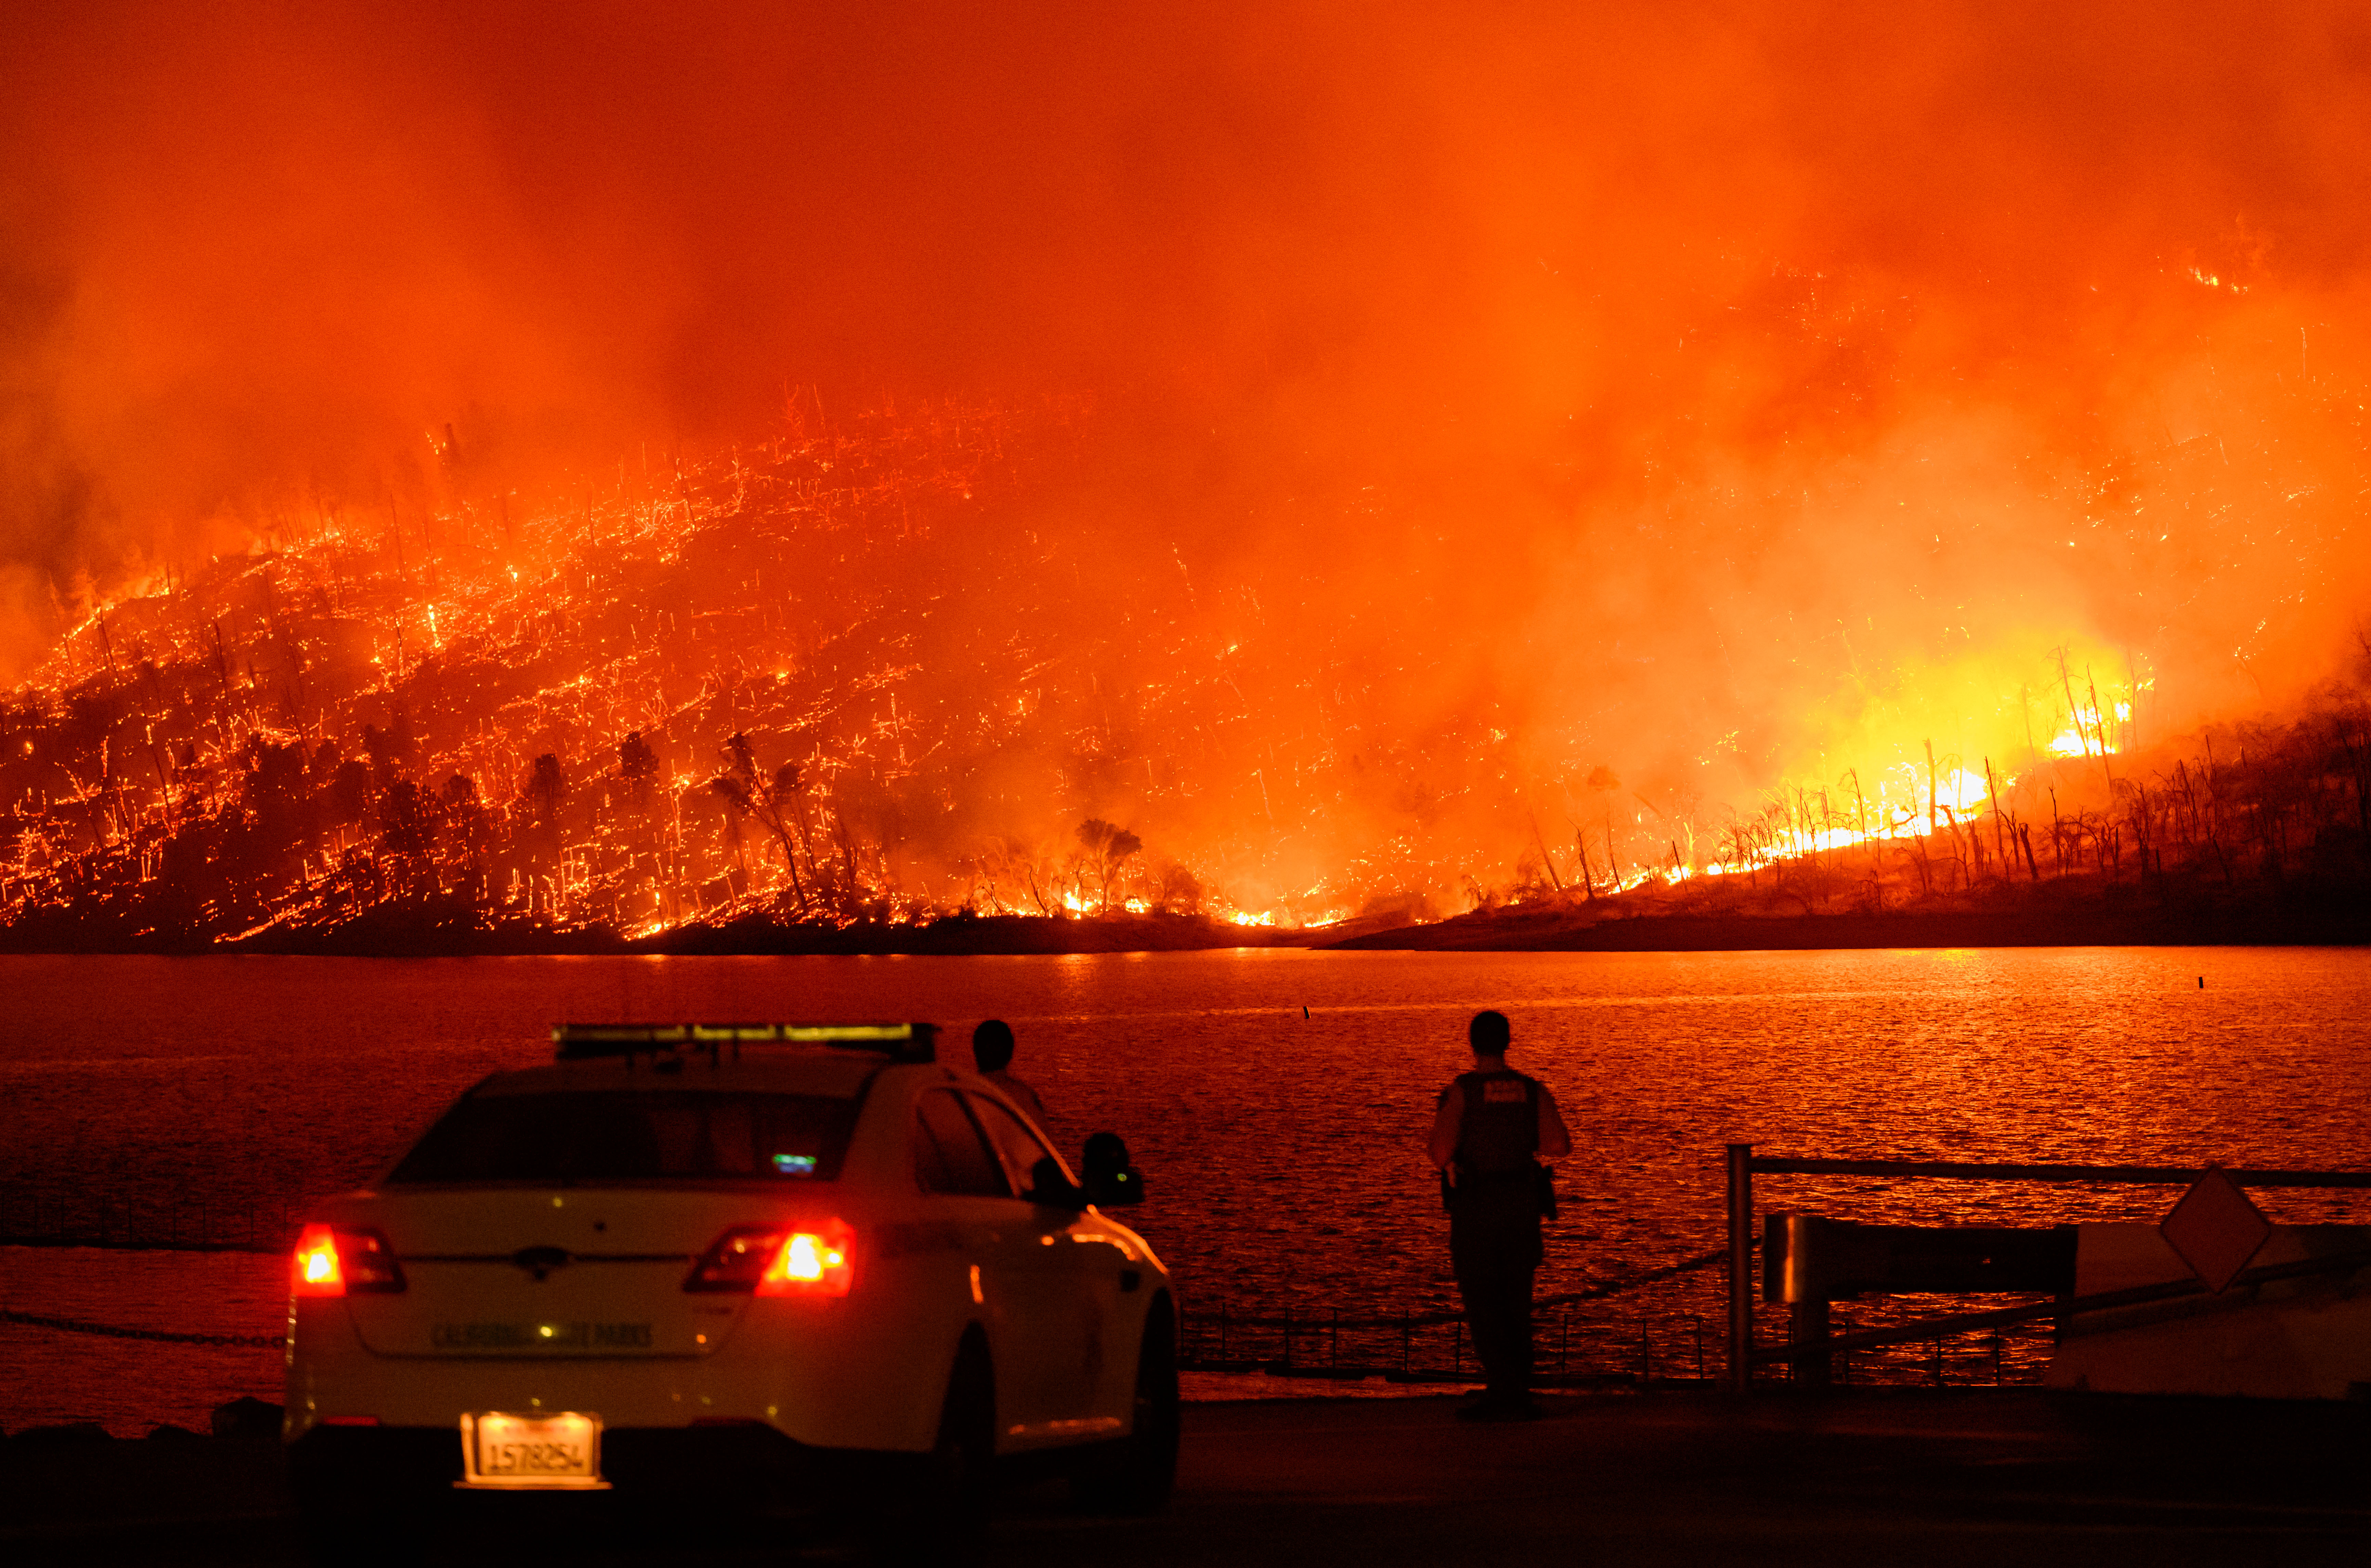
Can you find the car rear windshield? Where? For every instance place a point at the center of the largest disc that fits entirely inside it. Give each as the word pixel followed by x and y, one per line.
pixel 610 1135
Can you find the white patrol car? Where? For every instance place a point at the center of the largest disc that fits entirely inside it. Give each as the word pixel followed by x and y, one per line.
pixel 747 1259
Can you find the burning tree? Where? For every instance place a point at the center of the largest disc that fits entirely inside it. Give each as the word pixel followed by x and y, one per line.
pixel 774 800
pixel 1108 849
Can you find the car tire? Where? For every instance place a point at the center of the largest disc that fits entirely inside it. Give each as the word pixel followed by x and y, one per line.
pixel 939 1507
pixel 1137 1475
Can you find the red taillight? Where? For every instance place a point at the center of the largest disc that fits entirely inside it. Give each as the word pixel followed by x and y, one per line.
pixel 317 1271
pixel 334 1258
pixel 780 1260
pixel 812 1262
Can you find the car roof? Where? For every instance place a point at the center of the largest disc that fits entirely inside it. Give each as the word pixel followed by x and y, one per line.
pixel 835 1074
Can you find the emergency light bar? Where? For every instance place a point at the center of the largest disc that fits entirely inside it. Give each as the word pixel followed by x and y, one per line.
pixel 899 1042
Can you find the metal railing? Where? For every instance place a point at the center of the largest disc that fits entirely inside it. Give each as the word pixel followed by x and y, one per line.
pixel 1394 1342
pixel 1742 1164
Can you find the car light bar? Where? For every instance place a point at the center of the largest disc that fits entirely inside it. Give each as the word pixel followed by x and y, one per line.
pixel 899 1042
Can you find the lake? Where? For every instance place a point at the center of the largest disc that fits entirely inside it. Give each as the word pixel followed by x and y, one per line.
pixel 1276 1099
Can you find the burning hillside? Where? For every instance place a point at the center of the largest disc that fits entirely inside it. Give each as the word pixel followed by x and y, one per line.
pixel 588 711
pixel 856 676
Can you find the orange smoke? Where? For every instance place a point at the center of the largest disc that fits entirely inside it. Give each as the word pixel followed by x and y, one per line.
pixel 1729 395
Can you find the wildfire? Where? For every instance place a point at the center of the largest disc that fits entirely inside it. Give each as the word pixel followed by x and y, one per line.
pixel 276 742
pixel 704 689
pixel 638 706
pixel 2087 734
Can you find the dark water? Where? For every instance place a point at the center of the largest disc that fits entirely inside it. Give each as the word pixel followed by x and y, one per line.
pixel 1283 1153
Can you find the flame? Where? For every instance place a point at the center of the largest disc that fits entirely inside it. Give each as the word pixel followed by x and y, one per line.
pixel 793 738
pixel 2086 735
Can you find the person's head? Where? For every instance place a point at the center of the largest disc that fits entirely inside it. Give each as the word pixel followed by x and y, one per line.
pixel 992 1045
pixel 1488 1033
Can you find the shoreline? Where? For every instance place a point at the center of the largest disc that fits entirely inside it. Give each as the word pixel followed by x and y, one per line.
pixel 1524 928
pixel 443 934
pixel 1863 931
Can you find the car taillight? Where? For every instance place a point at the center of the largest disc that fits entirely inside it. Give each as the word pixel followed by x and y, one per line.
pixel 332 1260
pixel 812 1262
pixel 739 1256
pixel 780 1260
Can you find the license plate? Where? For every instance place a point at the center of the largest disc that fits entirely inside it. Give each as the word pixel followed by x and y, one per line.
pixel 505 1452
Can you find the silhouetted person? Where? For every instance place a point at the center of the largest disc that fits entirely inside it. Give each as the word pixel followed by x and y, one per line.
pixel 991 1048
pixel 1493 1124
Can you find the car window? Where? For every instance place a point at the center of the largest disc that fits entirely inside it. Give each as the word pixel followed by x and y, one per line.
pixel 949 1155
pixel 633 1135
pixel 1021 1148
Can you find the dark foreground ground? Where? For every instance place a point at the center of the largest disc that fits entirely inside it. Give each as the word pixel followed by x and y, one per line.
pixel 1930 1480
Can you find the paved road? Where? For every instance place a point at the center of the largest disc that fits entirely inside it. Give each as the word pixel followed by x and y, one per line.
pixel 1854 1477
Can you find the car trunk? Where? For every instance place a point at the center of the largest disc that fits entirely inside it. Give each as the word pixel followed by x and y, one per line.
pixel 543 1272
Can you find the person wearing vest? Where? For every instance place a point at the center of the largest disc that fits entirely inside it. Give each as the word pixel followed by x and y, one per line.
pixel 1491 1129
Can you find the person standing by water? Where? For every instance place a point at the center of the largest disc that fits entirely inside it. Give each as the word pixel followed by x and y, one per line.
pixel 991 1050
pixel 1492 1125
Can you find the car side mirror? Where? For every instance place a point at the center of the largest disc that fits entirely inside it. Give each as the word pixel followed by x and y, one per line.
pixel 1050 1189
pixel 1110 1181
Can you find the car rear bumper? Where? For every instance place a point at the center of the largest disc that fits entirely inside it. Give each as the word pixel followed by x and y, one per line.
pixel 740 1461
pixel 823 1376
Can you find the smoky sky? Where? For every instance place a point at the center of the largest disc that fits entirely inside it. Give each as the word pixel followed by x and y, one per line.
pixel 1683 340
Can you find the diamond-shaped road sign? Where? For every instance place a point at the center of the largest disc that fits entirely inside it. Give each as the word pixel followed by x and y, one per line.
pixel 2216 1229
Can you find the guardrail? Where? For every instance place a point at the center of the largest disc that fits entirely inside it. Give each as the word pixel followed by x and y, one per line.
pixel 1742 1165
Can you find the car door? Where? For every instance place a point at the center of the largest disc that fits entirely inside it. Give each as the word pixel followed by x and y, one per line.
pixel 1023 1287
pixel 1091 1268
